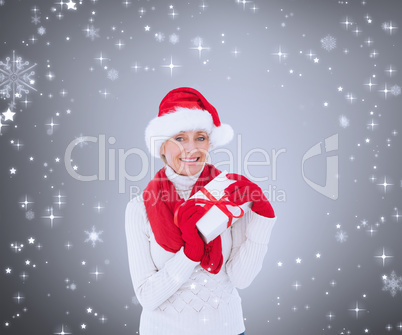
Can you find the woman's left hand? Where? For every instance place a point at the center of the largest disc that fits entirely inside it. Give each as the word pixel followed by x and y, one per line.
pixel 244 190
pixel 213 251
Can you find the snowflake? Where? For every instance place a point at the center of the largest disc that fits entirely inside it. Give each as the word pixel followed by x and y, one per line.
pixel 392 284
pixel 72 287
pixel 341 236
pixel 30 215
pixel 395 90
pixel 35 19
pixel 81 141
pixel 174 38
pixel 197 41
pixel 343 121
pixel 113 74
pixel 13 77
pixel 328 42
pixel 160 37
pixel 91 32
pixel 385 25
pixel 41 30
pixel 93 236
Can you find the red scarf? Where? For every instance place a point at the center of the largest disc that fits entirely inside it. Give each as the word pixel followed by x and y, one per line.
pixel 161 200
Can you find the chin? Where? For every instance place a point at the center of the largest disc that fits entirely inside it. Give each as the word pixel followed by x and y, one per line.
pixel 189 170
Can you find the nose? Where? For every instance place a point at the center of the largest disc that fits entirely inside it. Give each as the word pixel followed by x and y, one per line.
pixel 190 146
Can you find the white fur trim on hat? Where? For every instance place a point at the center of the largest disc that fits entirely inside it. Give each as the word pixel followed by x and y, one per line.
pixel 164 127
pixel 220 135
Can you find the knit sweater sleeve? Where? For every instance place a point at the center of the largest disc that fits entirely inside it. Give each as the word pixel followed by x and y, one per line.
pixel 152 286
pixel 250 236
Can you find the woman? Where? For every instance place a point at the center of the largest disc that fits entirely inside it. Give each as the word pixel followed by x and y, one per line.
pixel 184 285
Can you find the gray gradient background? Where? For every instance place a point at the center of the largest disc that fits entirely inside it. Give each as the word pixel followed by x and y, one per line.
pixel 266 104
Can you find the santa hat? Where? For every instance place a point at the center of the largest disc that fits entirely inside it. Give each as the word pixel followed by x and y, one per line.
pixel 184 109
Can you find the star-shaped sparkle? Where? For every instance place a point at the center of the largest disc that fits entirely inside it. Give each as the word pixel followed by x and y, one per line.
pixel 171 66
pixel 51 217
pixel 71 5
pixel 8 115
pixel 62 332
pixel 385 184
pixel 383 256
pixel 357 309
pixel 280 54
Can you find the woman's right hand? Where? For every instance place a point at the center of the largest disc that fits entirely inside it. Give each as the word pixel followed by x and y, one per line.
pixel 244 190
pixel 187 218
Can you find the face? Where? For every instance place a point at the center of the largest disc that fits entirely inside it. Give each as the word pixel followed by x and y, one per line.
pixel 186 152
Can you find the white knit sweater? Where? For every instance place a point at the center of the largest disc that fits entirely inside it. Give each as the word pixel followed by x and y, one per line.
pixel 178 296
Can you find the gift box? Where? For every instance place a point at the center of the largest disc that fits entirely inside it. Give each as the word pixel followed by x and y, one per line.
pixel 220 215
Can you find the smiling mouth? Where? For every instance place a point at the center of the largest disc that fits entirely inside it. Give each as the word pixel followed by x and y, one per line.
pixel 192 160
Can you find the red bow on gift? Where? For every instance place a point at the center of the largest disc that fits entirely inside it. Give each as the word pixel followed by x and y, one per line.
pixel 212 201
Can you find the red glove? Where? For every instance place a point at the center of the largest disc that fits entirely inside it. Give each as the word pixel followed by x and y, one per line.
pixel 187 218
pixel 213 258
pixel 244 190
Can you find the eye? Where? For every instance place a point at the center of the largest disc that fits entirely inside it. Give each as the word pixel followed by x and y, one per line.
pixel 201 138
pixel 179 138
